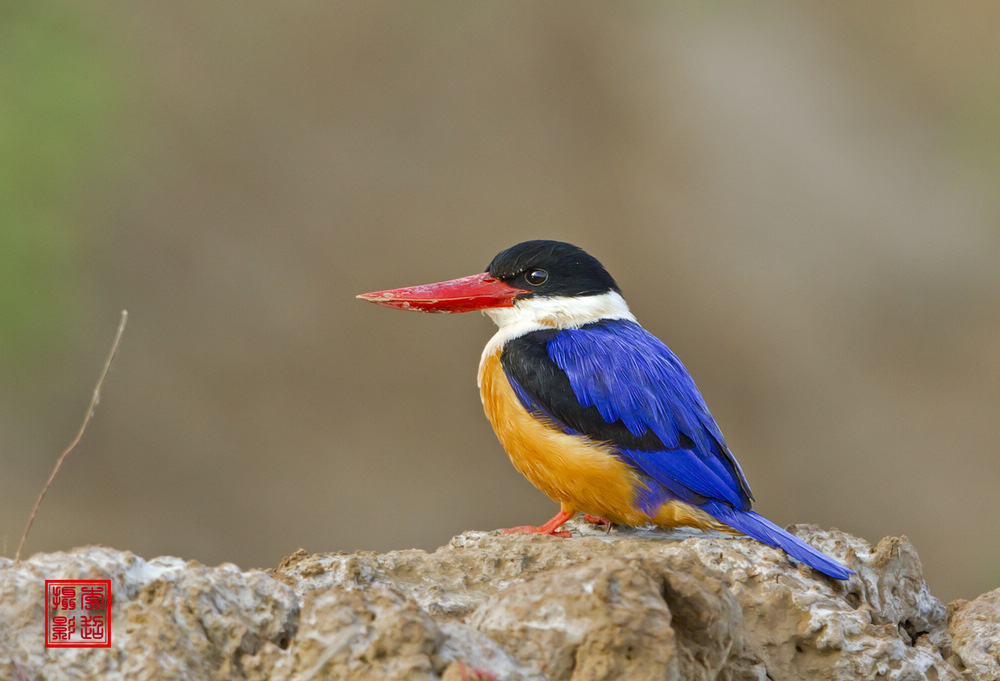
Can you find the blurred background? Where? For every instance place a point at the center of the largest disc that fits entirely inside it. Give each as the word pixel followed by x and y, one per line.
pixel 800 199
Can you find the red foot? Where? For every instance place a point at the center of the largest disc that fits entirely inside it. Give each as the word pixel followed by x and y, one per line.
pixel 548 528
pixel 596 520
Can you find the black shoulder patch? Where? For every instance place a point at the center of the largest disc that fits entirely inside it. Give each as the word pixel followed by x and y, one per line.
pixel 544 388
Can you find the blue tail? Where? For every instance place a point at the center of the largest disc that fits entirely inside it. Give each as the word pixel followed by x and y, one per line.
pixel 763 530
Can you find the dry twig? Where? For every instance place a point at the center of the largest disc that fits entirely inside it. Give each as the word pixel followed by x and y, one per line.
pixel 90 413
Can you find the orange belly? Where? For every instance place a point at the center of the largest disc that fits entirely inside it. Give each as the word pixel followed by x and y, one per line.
pixel 584 476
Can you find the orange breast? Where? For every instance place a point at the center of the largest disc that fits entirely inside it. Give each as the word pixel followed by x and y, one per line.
pixel 581 474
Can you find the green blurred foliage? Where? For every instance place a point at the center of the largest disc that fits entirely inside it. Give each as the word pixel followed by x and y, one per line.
pixel 976 125
pixel 59 95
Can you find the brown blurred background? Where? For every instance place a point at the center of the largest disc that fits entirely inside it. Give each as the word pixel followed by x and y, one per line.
pixel 801 199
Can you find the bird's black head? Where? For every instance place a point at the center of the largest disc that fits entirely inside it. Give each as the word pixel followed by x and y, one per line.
pixel 551 268
pixel 530 271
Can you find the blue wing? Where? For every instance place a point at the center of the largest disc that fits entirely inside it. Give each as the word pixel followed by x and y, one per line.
pixel 628 389
pixel 615 382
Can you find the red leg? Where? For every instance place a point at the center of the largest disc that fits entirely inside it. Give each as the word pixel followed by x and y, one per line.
pixel 596 520
pixel 548 528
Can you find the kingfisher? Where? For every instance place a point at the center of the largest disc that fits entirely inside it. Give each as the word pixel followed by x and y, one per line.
pixel 592 409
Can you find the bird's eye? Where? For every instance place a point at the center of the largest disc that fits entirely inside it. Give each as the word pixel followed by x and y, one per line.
pixel 536 277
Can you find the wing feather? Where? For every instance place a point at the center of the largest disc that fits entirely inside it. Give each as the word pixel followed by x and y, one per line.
pixel 614 381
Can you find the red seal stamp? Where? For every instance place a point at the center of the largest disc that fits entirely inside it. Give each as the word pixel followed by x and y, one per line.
pixel 77 613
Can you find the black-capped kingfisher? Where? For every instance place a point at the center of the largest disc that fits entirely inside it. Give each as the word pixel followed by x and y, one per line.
pixel 593 409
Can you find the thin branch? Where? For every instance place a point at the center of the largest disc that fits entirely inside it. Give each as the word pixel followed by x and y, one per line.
pixel 90 413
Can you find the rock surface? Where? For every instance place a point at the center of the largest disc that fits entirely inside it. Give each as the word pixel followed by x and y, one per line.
pixel 625 604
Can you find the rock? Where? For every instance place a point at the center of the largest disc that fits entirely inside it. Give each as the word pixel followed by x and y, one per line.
pixel 625 604
pixel 169 619
pixel 975 636
pixel 602 619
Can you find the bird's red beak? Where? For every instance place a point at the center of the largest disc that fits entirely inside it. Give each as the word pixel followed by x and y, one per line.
pixel 478 292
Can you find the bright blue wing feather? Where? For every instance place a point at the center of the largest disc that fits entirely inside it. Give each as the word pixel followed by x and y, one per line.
pixel 628 374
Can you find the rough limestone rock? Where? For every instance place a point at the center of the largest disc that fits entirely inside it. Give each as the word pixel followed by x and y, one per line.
pixel 624 604
pixel 975 636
